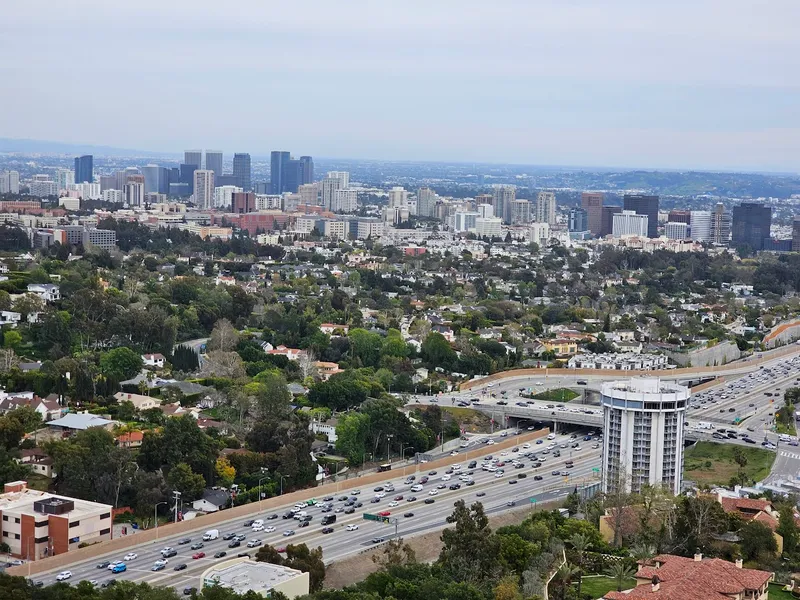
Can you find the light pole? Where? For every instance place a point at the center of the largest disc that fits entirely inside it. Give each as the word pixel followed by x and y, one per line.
pixel 155 514
pixel 259 490
pixel 388 442
pixel 406 450
pixel 177 499
pixel 282 478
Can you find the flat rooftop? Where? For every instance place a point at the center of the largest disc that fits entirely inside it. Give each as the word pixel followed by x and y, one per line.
pixel 22 502
pixel 251 575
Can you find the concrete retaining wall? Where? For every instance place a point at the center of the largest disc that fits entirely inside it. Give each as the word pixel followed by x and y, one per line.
pixel 719 354
pixel 783 333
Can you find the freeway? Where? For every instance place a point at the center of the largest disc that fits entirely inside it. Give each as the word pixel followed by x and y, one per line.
pixel 495 491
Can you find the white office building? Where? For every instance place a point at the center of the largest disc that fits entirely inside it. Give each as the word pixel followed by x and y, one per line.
pixel 114 196
pixel 204 189
pixel 426 202
pixel 546 208
pixel 342 176
pixel 223 195
pixel 629 223
pixel 465 221
pixel 485 210
pixel 86 190
pixel 369 228
pixel 9 182
pixel 345 201
pixel 488 227
pixel 676 231
pixel 134 193
pixel 520 212
pixel 398 197
pixel 309 194
pixel 700 225
pixel 43 188
pixel 65 178
pixel 269 202
pixel 539 233
pixel 328 188
pixel 643 434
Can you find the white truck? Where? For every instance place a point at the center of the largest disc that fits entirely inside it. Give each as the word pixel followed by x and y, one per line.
pixel 704 425
pixel 211 534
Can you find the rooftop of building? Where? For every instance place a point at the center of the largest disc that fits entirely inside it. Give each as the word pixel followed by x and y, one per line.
pixel 241 575
pixel 21 501
pixel 644 385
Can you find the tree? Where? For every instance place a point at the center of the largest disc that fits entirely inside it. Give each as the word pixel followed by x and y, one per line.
pixel 120 364
pixel 619 571
pixel 300 557
pixel 185 359
pixel 12 339
pixel 352 432
pixel 562 581
pixel 8 360
pixel 395 553
pixel 224 364
pixel 580 543
pixel 28 304
pixel 224 336
pixel 740 458
pixel 787 527
pixel 271 396
pixel 436 352
pixel 365 346
pixel 507 588
pixel 757 540
pixel 471 552
pixel 188 483
pixel 225 471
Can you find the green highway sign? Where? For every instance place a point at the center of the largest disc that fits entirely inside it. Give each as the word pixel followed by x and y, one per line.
pixel 533 500
pixel 595 469
pixel 378 518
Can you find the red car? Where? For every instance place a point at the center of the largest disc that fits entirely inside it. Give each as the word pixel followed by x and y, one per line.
pixel 384 513
pixel 282 549
pixel 197 555
pixel 398 497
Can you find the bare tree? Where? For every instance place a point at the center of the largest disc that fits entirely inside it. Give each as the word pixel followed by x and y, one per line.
pixel 307 363
pixel 8 359
pixel 224 364
pixel 224 336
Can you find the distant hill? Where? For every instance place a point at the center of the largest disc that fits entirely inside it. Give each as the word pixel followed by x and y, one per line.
pixel 48 147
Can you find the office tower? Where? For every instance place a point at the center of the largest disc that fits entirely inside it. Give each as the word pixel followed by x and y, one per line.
pixel 223 196
pixel 342 176
pixel 278 160
pixel 179 190
pixel 700 225
pixel 483 199
pixel 64 178
pixel 308 169
pixel 122 177
pixel 607 221
pixel 720 225
pixel 214 162
pixel 629 223
pixel 644 205
pixel 539 233
pixel 292 175
pixel 464 221
pixel 83 168
pixel 134 193
pixel 643 426
pixel 9 182
pixel 489 227
pixel 345 201
pixel 204 189
pixel 193 157
pixel 679 216
pixel 592 203
pixel 328 188
pixel 796 235
pixel 108 182
pixel 309 194
pixel 676 231
pixel 398 197
pixel 578 220
pixel 113 196
pixel 243 202
pixel 242 170
pixel 485 210
pixel 87 191
pixel 546 208
pixel 520 212
pixel 502 197
pixel 155 179
pixel 43 188
pixel 187 175
pixel 751 225
pixel 426 202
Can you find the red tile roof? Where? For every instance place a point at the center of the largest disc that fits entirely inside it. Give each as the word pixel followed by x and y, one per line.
pixel 746 504
pixel 683 578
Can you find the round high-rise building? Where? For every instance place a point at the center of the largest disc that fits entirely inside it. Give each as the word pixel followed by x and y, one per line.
pixel 643 421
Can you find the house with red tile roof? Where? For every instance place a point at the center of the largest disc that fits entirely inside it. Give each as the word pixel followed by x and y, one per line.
pixel 757 509
pixel 130 439
pixel 670 577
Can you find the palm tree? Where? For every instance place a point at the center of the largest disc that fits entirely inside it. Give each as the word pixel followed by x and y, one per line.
pixel 580 543
pixel 563 578
pixel 620 571
pixel 642 552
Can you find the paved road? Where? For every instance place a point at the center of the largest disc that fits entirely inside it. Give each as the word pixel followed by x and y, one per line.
pixel 341 543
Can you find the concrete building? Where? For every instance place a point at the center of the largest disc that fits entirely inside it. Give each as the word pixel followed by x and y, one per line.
pixel 520 212
pixel 42 188
pixel 38 524
pixel 578 220
pixel 105 239
pixel 643 434
pixel 398 197
pixel 679 216
pixel 86 191
pixel 64 178
pixel 345 201
pixel 9 182
pixel 194 158
pixel 485 210
pixel 700 225
pixel 328 188
pixel 488 227
pixel 369 228
pixel 720 225
pixel 676 231
pixel 114 196
pixel 539 233
pixel 642 204
pixel 502 197
pixel 751 225
pixel 629 222
pixel 336 229
pixel 268 202
pixel 546 208
pixel 223 196
pixel 214 162
pixel 309 194
pixel 243 575
pixel 204 189
pixel 134 193
pixel 607 219
pixel 592 203
pixel 243 202
pixel 426 202
pixel 464 221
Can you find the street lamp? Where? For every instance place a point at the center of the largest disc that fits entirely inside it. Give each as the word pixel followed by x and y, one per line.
pixel 282 478
pixel 155 514
pixel 406 450
pixel 259 490
pixel 388 441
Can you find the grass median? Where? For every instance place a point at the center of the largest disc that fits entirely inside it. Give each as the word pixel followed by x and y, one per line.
pixel 714 464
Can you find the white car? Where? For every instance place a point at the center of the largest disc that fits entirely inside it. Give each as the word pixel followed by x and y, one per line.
pixel 456 467
pixel 393 503
pixel 526 445
pixel 94 582
pixel 257 528
pixel 433 493
pixel 454 453
pixel 380 495
pixel 64 575
pixel 504 453
pixel 490 442
pixel 130 556
pixel 445 477
pixel 498 475
pixel 352 527
pixel 269 529
pixel 162 562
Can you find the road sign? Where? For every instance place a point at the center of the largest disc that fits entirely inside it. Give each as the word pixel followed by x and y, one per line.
pixel 378 518
pixel 533 500
pixel 595 469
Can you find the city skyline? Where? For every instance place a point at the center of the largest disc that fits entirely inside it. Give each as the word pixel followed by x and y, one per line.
pixel 708 92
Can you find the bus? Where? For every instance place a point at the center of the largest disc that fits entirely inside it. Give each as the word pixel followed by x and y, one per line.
pixel 384 468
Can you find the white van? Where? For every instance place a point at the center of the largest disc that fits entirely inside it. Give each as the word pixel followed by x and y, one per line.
pixel 258 522
pixel 552 436
pixel 300 514
pixel 211 534
pixel 416 488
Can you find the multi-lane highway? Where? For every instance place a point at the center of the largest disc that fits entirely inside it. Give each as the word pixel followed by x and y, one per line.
pixel 415 516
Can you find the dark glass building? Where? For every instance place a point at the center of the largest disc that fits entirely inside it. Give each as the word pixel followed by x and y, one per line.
pixel 292 175
pixel 644 205
pixel 187 175
pixel 578 220
pixel 278 161
pixel 308 169
pixel 751 225
pixel 242 170
pixel 607 219
pixel 84 169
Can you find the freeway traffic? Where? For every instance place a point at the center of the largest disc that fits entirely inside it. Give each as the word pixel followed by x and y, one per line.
pixel 417 512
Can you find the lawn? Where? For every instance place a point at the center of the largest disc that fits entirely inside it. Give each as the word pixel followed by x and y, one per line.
pixel 711 463
pixel 787 429
pixel 557 395
pixel 39 482
pixel 776 592
pixel 596 586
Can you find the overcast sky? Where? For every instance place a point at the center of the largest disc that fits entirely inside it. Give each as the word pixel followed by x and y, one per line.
pixel 674 84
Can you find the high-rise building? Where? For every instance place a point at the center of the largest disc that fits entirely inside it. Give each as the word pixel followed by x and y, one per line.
pixel 502 197
pixel 193 157
pixel 9 182
pixel 676 231
pixel 204 189
pixel 629 223
pixel 113 196
pixel 84 170
pixel 546 208
pixel 700 225
pixel 720 225
pixel 156 179
pixel 328 188
pixel 796 235
pixel 680 216
pixel 345 201
pixel 308 169
pixel 134 193
pixel 398 197
pixel 607 220
pixel 124 175
pixel 309 194
pixel 292 175
pixel 278 160
pixel 520 212
pixel 243 202
pixel 242 170
pixel 108 182
pixel 187 175
pixel 642 204
pixel 342 176
pixel 43 188
pixel 578 220
pixel 464 221
pixel 751 225
pixel 485 210
pixel 426 202
pixel 64 178
pixel 643 430
pixel 490 227
pixel 592 203
pixel 214 162
pixel 223 196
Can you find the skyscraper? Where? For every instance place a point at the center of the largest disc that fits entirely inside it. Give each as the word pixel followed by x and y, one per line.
pixel 84 170
pixel 64 178
pixel 502 197
pixel 187 175
pixel 676 230
pixel 578 220
pixel 134 193
pixel 607 219
pixel 720 225
pixel 278 160
pixel 643 426
pixel 629 223
pixel 751 225
pixel 644 205
pixel 700 224
pixel 9 182
pixel 156 179
pixel 309 194
pixel 204 189
pixel 242 171
pixel 426 202
pixel 546 208
pixel 592 203
pixel 520 212
pixel 680 216
pixel 214 162
pixel 308 169
pixel 193 157
pixel 292 178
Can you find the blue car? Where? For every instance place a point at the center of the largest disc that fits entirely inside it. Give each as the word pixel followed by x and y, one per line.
pixel 119 568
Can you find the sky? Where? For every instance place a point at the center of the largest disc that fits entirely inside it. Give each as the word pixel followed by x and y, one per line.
pixel 679 84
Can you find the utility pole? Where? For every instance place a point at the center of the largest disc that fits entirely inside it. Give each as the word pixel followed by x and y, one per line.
pixel 177 498
pixel 155 514
pixel 388 442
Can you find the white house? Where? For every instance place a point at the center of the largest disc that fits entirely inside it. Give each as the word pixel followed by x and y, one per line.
pixel 329 328
pixel 212 500
pixel 154 360
pixel 327 428
pixel 49 292
pixel 139 401
pixel 8 317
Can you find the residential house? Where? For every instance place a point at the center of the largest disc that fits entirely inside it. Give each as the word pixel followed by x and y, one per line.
pixel 290 353
pixel 749 509
pixel 130 439
pixel 176 410
pixel 327 428
pixel 9 317
pixel 139 401
pixel 49 292
pixel 225 280
pixel 154 360
pixel 330 328
pixel 38 460
pixel 49 408
pixel 327 369
pixel 561 347
pixel 213 500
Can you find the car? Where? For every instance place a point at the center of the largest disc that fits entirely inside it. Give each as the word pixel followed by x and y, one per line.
pixel 197 555
pixel 269 529
pixel 120 568
pixel 470 482
pixel 189 590
pixel 234 544
pixel 288 532
pixel 522 476
pixel 538 477
pixel 375 500
pixel 408 515
pixel 179 567
pixel 114 563
pixel 328 499
pixel 377 489
pixel 257 528
pixel 302 524
pixel 393 503
pixel 429 500
pixel 103 565
pixel 158 566
pixel 220 554
pixel 240 537
pixel 512 481
pixel 400 497
pixel 185 541
pixel 455 486
pixel 349 511
pixel 327 530
pixel 64 575
pixel 377 540
pixel 384 513
pixel 352 527
pixel 197 546
pixel 108 583
pixel 249 522
pixel 130 556
pixel 272 517
pixel 433 492
pixel 480 494
pixel 243 555
pixel 511 503
pixel 556 473
pixel 431 472
pixel 251 544
pixel 411 499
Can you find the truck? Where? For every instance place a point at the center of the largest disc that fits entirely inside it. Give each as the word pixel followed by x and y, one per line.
pixel 704 425
pixel 328 519
pixel 211 534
